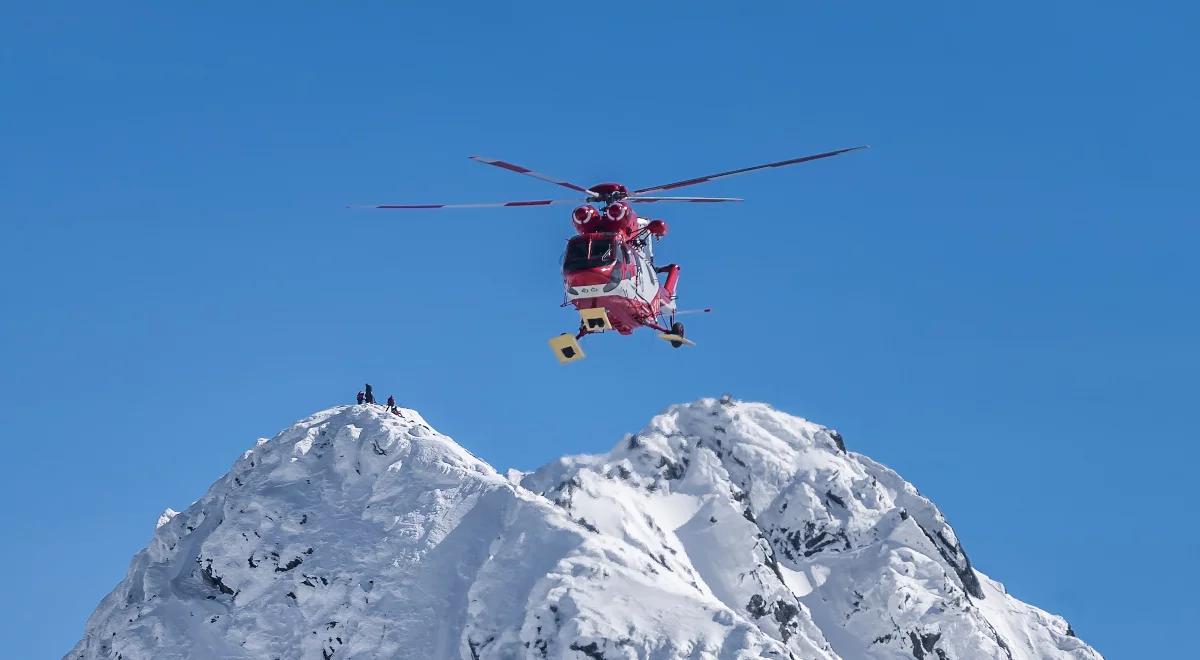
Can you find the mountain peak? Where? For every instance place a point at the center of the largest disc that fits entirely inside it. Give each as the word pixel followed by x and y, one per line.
pixel 745 449
pixel 723 529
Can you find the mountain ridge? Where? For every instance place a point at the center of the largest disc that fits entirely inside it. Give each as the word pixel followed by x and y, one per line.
pixel 723 529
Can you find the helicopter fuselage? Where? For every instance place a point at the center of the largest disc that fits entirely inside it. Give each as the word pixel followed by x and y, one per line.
pixel 609 264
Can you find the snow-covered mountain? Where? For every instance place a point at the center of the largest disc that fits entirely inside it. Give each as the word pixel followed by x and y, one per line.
pixel 722 530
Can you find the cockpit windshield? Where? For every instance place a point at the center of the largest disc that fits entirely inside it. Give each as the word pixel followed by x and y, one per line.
pixel 584 252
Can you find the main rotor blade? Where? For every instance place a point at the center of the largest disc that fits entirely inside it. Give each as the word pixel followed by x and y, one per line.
pixel 483 205
pixel 744 170
pixel 528 172
pixel 647 200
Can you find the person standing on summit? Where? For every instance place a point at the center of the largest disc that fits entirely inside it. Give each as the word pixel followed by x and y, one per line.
pixel 361 397
pixel 391 403
pixel 369 393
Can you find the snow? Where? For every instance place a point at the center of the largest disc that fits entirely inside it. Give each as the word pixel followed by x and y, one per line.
pixel 165 517
pixel 674 509
pixel 799 581
pixel 722 530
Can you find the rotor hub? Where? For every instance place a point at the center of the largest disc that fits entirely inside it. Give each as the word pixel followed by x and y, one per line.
pixel 607 193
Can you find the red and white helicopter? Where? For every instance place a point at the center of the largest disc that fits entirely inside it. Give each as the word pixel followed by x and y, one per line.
pixel 608 268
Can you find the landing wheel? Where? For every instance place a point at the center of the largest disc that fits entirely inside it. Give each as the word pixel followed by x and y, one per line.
pixel 677 329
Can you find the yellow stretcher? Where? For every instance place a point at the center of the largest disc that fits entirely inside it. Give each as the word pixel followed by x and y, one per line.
pixel 595 319
pixel 566 348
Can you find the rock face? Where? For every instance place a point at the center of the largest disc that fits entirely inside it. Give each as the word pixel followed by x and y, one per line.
pixel 722 530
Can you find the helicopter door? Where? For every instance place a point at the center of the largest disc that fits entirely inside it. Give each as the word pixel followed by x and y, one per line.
pixel 646 282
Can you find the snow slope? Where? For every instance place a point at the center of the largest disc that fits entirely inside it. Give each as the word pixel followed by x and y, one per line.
pixel 722 530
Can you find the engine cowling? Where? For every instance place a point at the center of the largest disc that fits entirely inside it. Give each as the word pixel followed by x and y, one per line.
pixel 620 217
pixel 585 218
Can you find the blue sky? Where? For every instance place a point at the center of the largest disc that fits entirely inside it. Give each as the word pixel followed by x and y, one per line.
pixel 999 299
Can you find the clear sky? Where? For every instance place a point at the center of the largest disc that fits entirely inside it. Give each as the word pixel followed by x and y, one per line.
pixel 999 299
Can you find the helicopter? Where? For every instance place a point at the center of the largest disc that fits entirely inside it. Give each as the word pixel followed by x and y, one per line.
pixel 608 268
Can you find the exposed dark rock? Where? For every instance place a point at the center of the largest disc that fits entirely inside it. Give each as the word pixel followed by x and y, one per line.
pixel 673 470
pixel 475 646
pixel 957 559
pixel 917 651
pixel 591 650
pixel 924 644
pixel 215 580
pixel 289 566
pixel 837 439
pixel 757 607
pixel 808 541
pixel 785 614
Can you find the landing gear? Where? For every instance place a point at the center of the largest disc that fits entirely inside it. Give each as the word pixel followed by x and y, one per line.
pixel 677 330
pixel 675 336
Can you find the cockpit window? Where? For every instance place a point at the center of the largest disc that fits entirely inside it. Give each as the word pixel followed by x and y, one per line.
pixel 602 250
pixel 584 253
